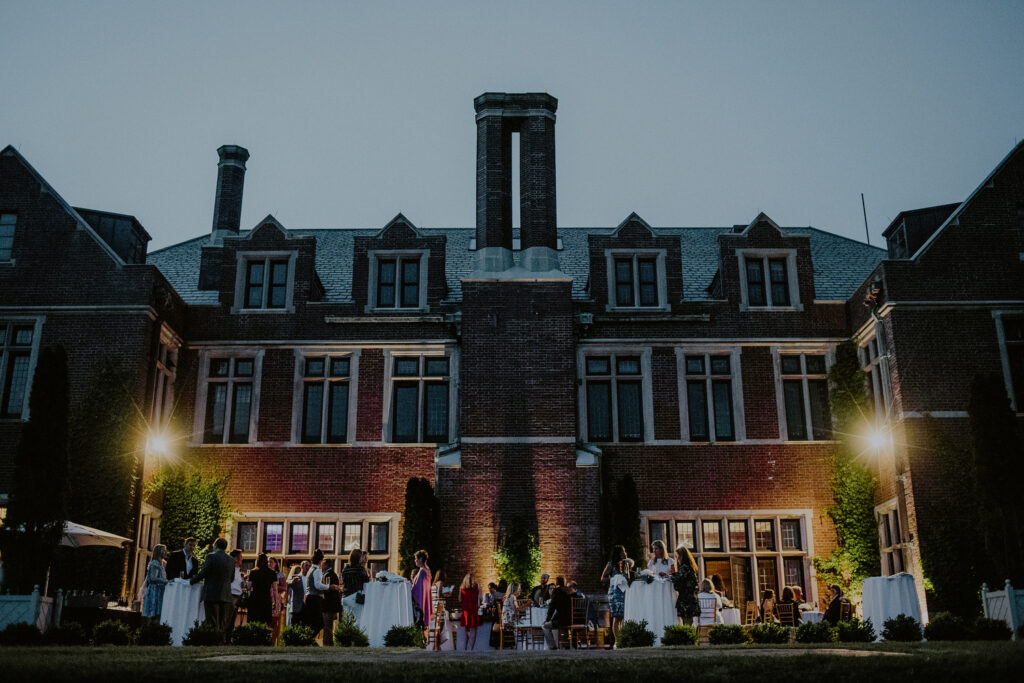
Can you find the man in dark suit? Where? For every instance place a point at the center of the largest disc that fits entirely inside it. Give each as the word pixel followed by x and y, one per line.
pixel 217 573
pixel 182 564
pixel 559 615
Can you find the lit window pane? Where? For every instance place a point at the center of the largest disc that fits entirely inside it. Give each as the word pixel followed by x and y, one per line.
pixel 246 537
pixel 764 534
pixel 658 531
pixel 794 571
pixel 325 537
pixel 299 542
pixel 352 536
pixel 685 535
pixel 712 533
pixel 790 529
pixel 379 537
pixel 737 535
pixel 273 537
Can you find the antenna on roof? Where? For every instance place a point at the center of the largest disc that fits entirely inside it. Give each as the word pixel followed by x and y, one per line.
pixel 864 209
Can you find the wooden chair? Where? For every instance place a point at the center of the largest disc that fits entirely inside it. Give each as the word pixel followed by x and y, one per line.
pixel 435 635
pixel 528 634
pixel 750 614
pixel 845 610
pixel 578 625
pixel 787 617
pixel 708 617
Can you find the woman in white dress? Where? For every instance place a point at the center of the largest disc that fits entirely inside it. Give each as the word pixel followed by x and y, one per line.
pixel 660 563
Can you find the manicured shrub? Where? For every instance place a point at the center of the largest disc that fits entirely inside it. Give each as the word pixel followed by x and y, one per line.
pixel 17 635
pixel 821 632
pixel 991 629
pixel 68 633
pixel 253 633
pixel 298 635
pixel 856 631
pixel 946 626
pixel 404 636
pixel 113 632
pixel 204 635
pixel 348 634
pixel 680 634
pixel 901 629
pixel 728 634
pixel 770 634
pixel 154 633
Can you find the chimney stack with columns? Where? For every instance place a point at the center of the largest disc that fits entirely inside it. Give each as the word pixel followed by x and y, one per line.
pixel 498 116
pixel 227 207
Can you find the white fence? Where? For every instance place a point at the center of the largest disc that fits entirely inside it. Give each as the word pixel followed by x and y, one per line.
pixel 1007 604
pixel 30 609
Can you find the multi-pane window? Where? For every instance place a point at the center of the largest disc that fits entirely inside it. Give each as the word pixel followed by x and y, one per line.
pixel 163 393
pixel 636 281
pixel 229 396
pixel 709 401
pixel 8 222
pixel 325 399
pixel 352 536
pixel 398 282
pixel 876 373
pixel 266 283
pixel 420 399
pixel 805 397
pixel 273 537
pixel 614 391
pixel 299 538
pixel 245 534
pixel 890 541
pixel 1013 336
pixel 767 281
pixel 379 532
pixel 325 536
pixel 749 552
pixel 15 358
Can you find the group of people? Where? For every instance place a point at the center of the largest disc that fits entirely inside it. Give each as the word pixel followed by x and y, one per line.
pixel 312 593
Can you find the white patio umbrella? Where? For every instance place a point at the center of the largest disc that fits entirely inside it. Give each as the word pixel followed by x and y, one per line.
pixel 78 535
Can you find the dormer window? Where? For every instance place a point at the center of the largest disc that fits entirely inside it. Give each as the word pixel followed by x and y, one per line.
pixel 264 282
pixel 636 279
pixel 398 281
pixel 768 280
pixel 8 221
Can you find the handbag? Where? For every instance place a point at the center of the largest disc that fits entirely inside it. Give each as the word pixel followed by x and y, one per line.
pixel 360 598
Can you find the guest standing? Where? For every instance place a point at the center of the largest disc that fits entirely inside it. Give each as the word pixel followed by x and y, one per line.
pixel 660 563
pixel 181 564
pixel 156 581
pixel 277 592
pixel 216 575
pixel 237 588
pixel 332 600
pixel 469 602
pixel 316 588
pixel 684 580
pixel 615 573
pixel 421 590
pixel 263 582
pixel 353 578
pixel 296 592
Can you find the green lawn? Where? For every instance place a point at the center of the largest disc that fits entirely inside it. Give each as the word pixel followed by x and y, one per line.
pixel 970 662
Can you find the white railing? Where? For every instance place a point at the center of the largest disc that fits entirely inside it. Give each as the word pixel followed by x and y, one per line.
pixel 1007 605
pixel 30 609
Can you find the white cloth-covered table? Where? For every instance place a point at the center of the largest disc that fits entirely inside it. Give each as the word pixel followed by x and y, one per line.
pixel 731 615
pixel 534 618
pixel 813 617
pixel 387 604
pixel 888 596
pixel 653 602
pixel 182 608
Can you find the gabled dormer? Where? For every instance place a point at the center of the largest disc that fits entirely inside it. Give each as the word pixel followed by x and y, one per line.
pixel 635 269
pixel 399 270
pixel 764 268
pixel 267 270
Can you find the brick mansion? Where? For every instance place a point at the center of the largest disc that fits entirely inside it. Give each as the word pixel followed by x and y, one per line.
pixel 524 370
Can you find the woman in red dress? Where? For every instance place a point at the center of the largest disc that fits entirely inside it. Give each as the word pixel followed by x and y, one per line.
pixel 469 599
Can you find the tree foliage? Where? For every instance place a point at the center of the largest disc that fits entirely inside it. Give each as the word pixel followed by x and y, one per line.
pixel 106 455
pixel 853 484
pixel 194 504
pixel 37 509
pixel 518 555
pixel 999 467
pixel 421 525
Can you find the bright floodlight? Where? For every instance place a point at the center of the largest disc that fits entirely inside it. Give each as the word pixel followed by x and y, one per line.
pixel 876 439
pixel 157 445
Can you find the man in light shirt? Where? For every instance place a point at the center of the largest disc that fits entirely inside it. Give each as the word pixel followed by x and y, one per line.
pixel 236 591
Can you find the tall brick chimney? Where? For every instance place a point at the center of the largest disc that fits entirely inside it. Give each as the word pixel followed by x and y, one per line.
pixel 227 207
pixel 498 116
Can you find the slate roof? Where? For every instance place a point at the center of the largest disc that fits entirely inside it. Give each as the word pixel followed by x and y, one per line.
pixel 840 264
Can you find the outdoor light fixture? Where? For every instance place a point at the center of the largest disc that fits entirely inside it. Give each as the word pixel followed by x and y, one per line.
pixel 876 439
pixel 157 444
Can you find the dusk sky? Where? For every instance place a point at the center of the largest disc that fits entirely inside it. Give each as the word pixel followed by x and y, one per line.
pixel 690 114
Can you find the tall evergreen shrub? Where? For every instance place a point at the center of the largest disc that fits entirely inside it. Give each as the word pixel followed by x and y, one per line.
pixel 421 525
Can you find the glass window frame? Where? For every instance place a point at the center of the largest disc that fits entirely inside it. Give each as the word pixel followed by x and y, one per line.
pixel 705 383
pixel 269 262
pixel 326 380
pixel 8 223
pixel 612 379
pixel 422 381
pixel 17 362
pixel 804 381
pixel 400 298
pixel 230 382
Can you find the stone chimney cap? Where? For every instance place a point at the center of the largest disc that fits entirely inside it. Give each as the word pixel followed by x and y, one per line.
pixel 234 153
pixel 510 102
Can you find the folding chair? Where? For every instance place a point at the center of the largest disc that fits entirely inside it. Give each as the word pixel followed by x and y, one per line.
pixel 786 614
pixel 707 618
pixel 578 625
pixel 750 615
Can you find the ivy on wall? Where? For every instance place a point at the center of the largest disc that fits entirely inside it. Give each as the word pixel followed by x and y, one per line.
pixel 518 555
pixel 853 484
pixel 193 504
